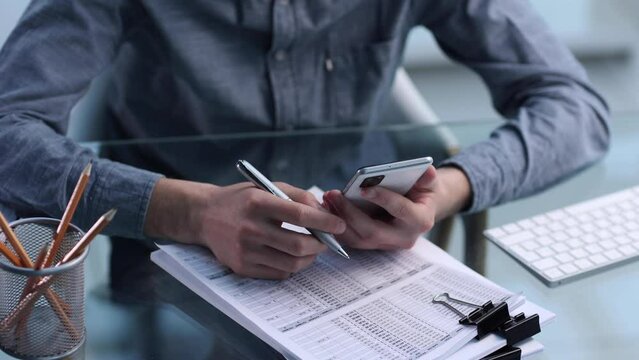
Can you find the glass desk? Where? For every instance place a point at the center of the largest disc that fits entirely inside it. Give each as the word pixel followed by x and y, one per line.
pixel 144 313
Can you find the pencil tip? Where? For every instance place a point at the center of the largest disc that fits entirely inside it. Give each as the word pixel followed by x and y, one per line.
pixel 87 169
pixel 110 214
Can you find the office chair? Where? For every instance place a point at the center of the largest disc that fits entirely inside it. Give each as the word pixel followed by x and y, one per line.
pixel 407 105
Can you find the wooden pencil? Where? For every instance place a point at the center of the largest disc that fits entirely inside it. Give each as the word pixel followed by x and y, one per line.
pixel 14 242
pixel 54 300
pixel 68 215
pixel 43 284
pixel 15 260
pixel 21 329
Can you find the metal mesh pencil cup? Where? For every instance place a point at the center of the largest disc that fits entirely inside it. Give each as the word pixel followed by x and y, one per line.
pixel 44 331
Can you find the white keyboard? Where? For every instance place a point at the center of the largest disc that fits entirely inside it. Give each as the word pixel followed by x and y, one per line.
pixel 576 241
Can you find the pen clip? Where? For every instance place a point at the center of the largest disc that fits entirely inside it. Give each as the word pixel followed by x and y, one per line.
pixel 251 177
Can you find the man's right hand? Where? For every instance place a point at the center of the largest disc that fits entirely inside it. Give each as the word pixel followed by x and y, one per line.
pixel 241 224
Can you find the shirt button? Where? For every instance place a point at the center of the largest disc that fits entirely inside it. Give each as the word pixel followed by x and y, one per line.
pixel 280 55
pixel 284 2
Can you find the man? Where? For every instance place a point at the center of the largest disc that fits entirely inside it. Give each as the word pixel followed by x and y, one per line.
pixel 185 68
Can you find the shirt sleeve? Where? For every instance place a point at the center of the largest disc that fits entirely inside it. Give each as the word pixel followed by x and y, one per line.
pixel 556 123
pixel 46 66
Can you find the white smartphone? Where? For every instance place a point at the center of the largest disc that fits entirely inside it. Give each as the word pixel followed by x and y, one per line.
pixel 397 176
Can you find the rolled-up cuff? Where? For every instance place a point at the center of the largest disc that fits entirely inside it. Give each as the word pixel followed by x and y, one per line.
pixel 123 187
pixel 480 163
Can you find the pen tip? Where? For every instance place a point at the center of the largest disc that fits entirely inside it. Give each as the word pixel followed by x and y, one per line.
pixel 110 214
pixel 87 169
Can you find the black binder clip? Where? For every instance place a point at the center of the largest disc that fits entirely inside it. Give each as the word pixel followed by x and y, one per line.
pixel 494 318
pixel 519 328
pixel 487 318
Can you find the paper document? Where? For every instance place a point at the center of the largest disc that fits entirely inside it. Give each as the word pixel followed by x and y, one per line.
pixel 377 305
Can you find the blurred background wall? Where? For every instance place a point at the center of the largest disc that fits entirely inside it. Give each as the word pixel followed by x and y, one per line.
pixel 603 34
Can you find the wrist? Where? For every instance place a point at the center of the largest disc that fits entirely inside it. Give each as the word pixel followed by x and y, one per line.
pixel 455 191
pixel 174 208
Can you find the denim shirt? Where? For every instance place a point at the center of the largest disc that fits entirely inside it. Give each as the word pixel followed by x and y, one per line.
pixel 202 67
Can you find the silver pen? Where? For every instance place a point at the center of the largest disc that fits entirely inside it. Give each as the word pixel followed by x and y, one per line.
pixel 262 182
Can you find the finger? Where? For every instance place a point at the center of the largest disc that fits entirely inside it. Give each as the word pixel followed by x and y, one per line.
pixel 291 242
pixel 427 179
pixel 276 259
pixel 383 237
pixel 299 195
pixel 395 204
pixel 259 271
pixel 302 215
pixel 359 221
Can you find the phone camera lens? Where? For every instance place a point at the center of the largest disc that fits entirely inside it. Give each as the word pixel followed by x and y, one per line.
pixel 372 181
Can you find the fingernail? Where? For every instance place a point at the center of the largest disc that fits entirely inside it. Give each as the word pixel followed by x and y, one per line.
pixel 341 227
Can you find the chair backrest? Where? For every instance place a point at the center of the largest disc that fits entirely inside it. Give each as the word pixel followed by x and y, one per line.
pixel 88 117
pixel 408 106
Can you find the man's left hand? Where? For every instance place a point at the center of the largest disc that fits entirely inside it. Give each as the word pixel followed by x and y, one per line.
pixel 436 195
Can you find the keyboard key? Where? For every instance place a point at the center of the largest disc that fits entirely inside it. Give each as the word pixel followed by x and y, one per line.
pixel 530 256
pixel 541 231
pixel 564 258
pixel 616 219
pixel 584 264
pixel 557 214
pixel 540 219
pixel 553 273
pixel 559 247
pixel 631 225
pixel 617 230
pixel 612 209
pixel 555 226
pixel 575 243
pixel 584 218
pixel 627 250
pixel 588 228
pixel 574 232
pixel 589 239
pixel 603 234
pixel 570 222
pixel 525 254
pixel 598 259
pixel 593 248
pixel 602 223
pixel 526 224
pixel 613 254
pixel 622 240
pixel 598 214
pixel 568 268
pixel 530 245
pixel 560 236
pixel 544 264
pixel 578 253
pixel 607 244
pixel 626 205
pixel 544 240
pixel 496 232
pixel 634 235
pixel 511 228
pixel 545 252
pixel 516 238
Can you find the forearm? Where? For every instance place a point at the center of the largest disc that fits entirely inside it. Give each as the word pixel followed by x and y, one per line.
pixel 553 136
pixel 41 168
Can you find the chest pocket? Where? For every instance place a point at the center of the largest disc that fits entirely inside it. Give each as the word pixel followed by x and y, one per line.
pixel 360 78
